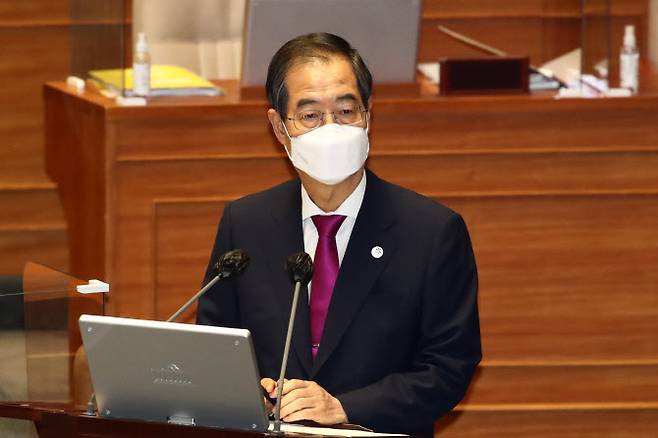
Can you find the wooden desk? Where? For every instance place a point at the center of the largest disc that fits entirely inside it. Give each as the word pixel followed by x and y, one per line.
pixel 561 198
pixel 60 420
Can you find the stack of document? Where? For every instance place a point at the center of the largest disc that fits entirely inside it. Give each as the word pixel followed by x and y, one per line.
pixel 166 80
pixel 541 82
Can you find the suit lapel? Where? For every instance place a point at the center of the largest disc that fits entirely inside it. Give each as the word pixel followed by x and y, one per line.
pixel 359 269
pixel 287 238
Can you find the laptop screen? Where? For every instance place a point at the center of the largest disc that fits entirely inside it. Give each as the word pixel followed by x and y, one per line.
pixel 177 373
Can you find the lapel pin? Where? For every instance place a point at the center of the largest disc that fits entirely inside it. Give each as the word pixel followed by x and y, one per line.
pixel 377 252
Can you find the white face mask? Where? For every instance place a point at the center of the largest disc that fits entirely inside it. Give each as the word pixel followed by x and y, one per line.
pixel 331 153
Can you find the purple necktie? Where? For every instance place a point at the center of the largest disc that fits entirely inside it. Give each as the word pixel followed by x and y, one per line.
pixel 325 271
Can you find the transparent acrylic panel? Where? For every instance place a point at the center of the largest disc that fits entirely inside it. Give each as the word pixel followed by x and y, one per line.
pixel 547 32
pixel 100 38
pixel 595 45
pixel 13 365
pixel 203 36
pixel 41 358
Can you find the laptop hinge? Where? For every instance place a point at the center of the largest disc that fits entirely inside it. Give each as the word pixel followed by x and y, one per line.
pixel 183 421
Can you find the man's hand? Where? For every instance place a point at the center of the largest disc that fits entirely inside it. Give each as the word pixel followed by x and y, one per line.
pixel 306 400
pixel 269 385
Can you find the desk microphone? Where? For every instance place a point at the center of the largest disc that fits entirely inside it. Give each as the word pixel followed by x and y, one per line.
pixel 230 264
pixel 299 267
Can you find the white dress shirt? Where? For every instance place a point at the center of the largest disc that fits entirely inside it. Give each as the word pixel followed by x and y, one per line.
pixel 349 208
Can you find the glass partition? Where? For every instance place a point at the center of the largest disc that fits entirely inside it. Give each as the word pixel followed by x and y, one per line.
pixel 101 41
pixel 41 358
pixel 575 41
pixel 595 46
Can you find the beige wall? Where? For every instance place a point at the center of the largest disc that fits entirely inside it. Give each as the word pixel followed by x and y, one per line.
pixel 204 36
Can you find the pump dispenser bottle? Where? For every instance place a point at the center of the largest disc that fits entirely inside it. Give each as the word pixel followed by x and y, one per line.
pixel 629 61
pixel 141 67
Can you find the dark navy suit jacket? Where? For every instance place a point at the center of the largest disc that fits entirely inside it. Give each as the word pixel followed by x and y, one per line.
pixel 401 339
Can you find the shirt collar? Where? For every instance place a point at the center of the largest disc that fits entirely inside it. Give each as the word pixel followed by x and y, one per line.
pixel 350 206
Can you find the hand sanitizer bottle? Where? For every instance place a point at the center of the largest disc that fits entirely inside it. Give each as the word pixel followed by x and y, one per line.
pixel 141 67
pixel 629 60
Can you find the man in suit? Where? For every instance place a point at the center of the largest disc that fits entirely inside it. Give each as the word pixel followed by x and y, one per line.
pixel 387 332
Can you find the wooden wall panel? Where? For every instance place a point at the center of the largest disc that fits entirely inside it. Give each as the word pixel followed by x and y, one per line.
pixel 30 209
pixel 30 57
pixel 519 174
pixel 583 382
pixel 566 278
pixel 548 295
pixel 566 422
pixel 467 125
pixel 182 252
pixel 71 157
pixel 520 8
pixel 28 12
pixel 216 132
pixel 147 195
pixel 34 48
pixel 47 247
pixel 512 125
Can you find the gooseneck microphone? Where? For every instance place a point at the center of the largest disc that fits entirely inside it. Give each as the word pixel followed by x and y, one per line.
pixel 299 267
pixel 229 264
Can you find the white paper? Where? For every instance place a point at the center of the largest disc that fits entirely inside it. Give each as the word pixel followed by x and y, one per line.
pixel 329 431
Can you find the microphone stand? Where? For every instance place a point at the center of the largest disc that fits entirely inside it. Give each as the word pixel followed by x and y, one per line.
pixel 284 363
pixel 299 267
pixel 196 296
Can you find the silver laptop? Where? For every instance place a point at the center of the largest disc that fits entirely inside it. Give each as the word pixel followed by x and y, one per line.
pixel 385 32
pixel 176 373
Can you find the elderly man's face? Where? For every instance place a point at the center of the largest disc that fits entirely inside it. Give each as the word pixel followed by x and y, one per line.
pixel 321 85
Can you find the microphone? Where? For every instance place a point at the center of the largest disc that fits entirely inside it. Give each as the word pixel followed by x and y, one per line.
pixel 299 267
pixel 230 264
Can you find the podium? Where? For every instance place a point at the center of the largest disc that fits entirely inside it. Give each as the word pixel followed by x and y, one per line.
pixel 43 371
pixel 54 420
pixel 57 420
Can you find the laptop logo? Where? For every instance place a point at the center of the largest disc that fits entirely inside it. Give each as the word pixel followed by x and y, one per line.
pixel 171 374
